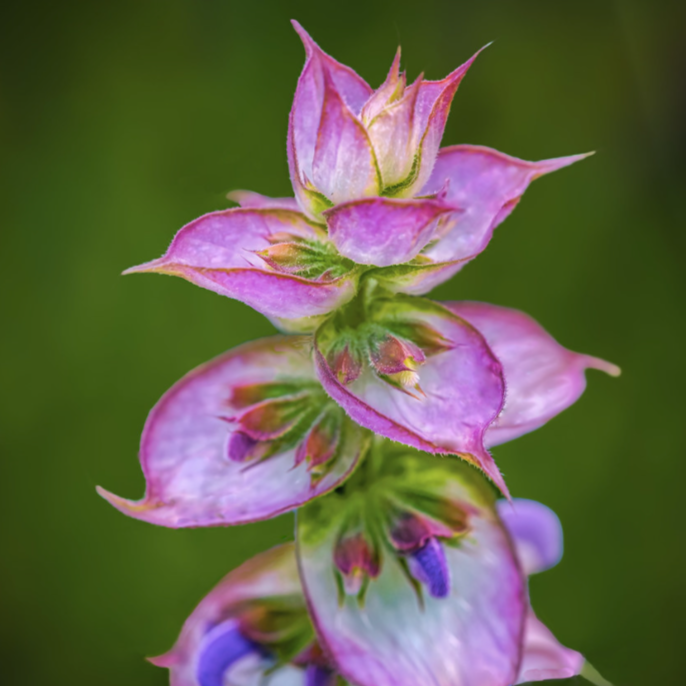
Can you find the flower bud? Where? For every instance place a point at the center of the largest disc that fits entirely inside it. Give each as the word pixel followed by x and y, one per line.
pixel 321 442
pixel 357 561
pixel 346 364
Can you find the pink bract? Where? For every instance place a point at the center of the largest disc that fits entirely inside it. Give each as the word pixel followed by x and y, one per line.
pixel 542 378
pixel 460 391
pixel 470 636
pixel 219 251
pixel 192 478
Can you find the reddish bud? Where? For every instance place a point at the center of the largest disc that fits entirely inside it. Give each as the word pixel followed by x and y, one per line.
pixel 410 532
pixel 356 560
pixel 392 355
pixel 289 258
pixel 247 395
pixel 320 444
pixel 273 418
pixel 346 365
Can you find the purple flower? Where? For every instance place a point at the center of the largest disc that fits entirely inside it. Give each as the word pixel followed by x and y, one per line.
pixel 252 628
pixel 372 191
pixel 244 437
pixel 537 535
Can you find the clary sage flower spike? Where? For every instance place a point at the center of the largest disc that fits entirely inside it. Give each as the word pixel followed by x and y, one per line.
pixel 371 415
pixel 373 189
pixel 254 626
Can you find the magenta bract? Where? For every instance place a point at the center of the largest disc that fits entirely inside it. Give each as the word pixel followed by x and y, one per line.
pixel 447 601
pixel 221 252
pixel 542 377
pixel 441 404
pixel 222 446
pixel 371 188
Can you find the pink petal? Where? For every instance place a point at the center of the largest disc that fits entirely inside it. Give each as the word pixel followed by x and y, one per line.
pixel 431 115
pixel 218 252
pixel 306 114
pixel 251 200
pixel 462 393
pixel 344 165
pixel 471 637
pixel 536 532
pixel 190 481
pixel 393 136
pixel 544 656
pixel 354 90
pixel 383 231
pixel 486 185
pixel 542 378
pixel 271 574
pixel 391 87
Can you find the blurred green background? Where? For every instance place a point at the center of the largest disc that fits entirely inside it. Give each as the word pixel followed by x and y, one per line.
pixel 120 122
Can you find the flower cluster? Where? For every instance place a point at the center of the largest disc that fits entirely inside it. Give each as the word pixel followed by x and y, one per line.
pixel 407 569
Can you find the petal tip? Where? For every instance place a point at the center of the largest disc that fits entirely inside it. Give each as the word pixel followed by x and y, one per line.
pixel 603 366
pixel 548 166
pixel 304 36
pixel 166 660
pixel 590 673
pixel 153 266
pixel 237 196
pixel 129 507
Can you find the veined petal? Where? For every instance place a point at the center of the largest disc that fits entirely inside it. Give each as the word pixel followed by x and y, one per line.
pixel 306 114
pixel 257 201
pixel 191 478
pixel 431 114
pixel 354 90
pixel 544 656
pixel 536 532
pixel 344 164
pixel 469 635
pixel 392 133
pixel 542 377
pixel 486 185
pixel 460 388
pixel 384 231
pixel 219 251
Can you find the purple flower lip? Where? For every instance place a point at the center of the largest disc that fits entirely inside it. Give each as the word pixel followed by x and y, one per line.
pixel 429 565
pixel 220 649
pixel 316 675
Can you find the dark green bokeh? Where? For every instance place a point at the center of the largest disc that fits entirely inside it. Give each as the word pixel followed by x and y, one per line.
pixel 123 121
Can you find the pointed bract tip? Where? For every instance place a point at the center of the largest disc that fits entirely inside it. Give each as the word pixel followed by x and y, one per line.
pixel 237 196
pixel 129 507
pixel 304 37
pixel 547 166
pixel 166 660
pixel 590 673
pixel 603 366
pixel 152 266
